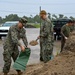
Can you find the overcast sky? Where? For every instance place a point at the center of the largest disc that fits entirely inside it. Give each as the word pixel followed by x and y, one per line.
pixel 31 7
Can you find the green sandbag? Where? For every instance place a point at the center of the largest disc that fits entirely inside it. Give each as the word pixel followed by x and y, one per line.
pixel 21 62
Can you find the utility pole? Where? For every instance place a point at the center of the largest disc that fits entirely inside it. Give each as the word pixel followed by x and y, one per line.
pixel 40 18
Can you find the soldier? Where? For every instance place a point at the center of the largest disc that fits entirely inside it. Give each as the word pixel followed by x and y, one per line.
pixel 65 31
pixel 46 38
pixel 11 43
pixel 72 26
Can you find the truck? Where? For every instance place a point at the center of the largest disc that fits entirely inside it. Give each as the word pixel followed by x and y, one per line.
pixel 5 27
pixel 57 27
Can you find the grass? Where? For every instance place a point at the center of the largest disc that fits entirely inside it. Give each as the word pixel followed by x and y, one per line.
pixel 37 25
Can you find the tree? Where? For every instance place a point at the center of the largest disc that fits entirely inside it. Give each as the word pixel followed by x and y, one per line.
pixel 61 16
pixel 55 17
pixel 65 17
pixel 71 17
pixel 0 19
pixel 37 18
pixel 12 17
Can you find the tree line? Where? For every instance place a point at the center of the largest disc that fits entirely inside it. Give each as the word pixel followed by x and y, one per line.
pixel 31 19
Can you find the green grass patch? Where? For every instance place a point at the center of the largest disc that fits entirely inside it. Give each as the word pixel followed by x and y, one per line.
pixel 37 25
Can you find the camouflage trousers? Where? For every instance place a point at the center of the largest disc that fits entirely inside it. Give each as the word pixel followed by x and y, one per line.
pixel 46 50
pixel 62 43
pixel 7 55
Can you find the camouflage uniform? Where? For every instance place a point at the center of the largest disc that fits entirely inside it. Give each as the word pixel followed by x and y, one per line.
pixel 11 44
pixel 46 40
pixel 65 31
pixel 72 28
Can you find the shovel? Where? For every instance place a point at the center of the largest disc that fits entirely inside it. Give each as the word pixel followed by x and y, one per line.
pixel 34 42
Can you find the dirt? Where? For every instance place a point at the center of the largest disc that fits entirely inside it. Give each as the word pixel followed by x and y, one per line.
pixel 62 64
pixel 33 43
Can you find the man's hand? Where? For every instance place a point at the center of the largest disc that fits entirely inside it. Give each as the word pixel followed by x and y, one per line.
pixel 38 37
pixel 22 48
pixel 66 38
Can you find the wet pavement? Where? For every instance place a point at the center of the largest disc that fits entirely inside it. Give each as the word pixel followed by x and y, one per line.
pixel 32 34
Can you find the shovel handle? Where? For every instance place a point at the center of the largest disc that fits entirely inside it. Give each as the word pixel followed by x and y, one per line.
pixel 37 39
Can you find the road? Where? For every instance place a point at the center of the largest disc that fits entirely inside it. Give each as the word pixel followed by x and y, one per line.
pixel 35 50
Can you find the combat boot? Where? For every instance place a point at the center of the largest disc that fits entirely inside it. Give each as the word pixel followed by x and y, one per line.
pixel 41 59
pixel 19 72
pixel 5 73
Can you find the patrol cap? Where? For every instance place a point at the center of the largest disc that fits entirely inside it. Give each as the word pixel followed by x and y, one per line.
pixel 70 21
pixel 74 21
pixel 23 21
pixel 43 12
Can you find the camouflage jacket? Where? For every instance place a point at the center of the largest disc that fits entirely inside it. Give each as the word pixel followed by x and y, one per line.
pixel 14 35
pixel 46 31
pixel 65 30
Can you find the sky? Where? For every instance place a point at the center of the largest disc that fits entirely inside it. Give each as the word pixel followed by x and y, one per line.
pixel 32 7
